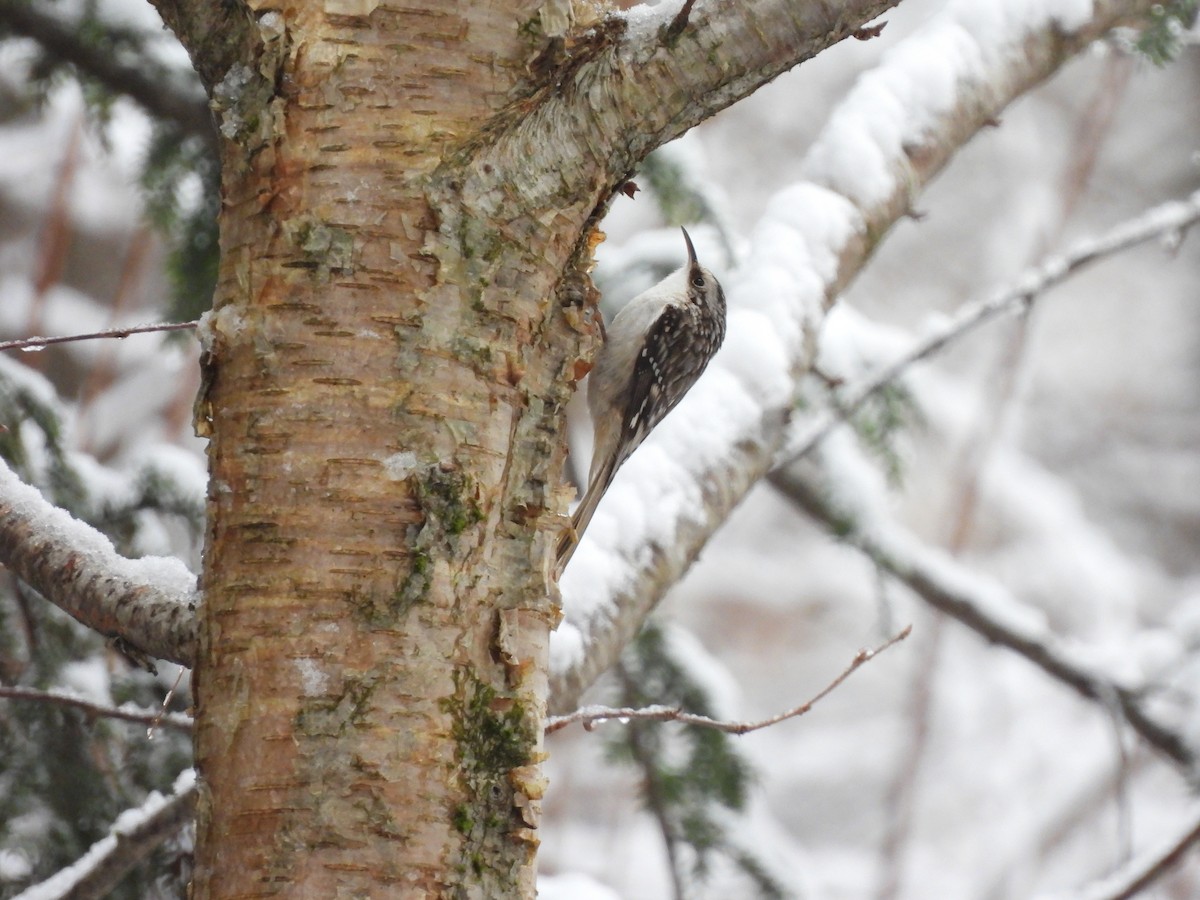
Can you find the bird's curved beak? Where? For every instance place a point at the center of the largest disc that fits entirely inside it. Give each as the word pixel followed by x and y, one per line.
pixel 692 261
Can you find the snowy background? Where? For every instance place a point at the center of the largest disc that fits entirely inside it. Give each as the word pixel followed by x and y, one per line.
pixel 1059 457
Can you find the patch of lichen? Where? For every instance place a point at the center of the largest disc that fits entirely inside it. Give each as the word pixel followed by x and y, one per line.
pixel 448 499
pixel 415 585
pixel 378 817
pixel 448 502
pixel 476 354
pixel 334 715
pixel 320 246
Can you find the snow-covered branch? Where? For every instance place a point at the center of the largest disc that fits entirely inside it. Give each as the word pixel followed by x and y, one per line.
pixel 135 834
pixel 149 717
pixel 1164 221
pixel 982 605
pixel 691 67
pixel 634 81
pixel 896 129
pixel 147 603
pixel 590 716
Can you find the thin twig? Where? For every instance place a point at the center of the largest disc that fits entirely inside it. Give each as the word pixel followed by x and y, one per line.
pixel 590 716
pixel 162 714
pixel 143 717
pixel 1166 219
pixel 34 343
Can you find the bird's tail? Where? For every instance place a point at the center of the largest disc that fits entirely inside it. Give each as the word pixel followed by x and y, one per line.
pixel 597 484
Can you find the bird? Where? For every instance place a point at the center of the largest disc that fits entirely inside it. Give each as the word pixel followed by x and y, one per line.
pixel 655 349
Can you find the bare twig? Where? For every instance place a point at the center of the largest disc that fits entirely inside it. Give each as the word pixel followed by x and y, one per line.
pixel 157 96
pixel 590 716
pixel 982 606
pixel 161 713
pixel 35 343
pixel 150 717
pixel 1165 220
pixel 1093 128
pixel 135 834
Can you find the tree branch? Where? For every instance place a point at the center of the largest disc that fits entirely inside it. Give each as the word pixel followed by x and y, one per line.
pixel 135 834
pixel 38 342
pixel 681 65
pixel 150 717
pixel 863 171
pixel 638 80
pixel 1164 220
pixel 590 716
pixel 983 606
pixel 158 97
pixel 147 603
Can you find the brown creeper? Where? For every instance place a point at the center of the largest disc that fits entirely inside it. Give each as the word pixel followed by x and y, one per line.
pixel 655 349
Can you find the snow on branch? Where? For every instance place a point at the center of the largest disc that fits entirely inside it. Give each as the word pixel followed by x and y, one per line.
pixel 134 835
pixel 149 717
pixel 721 52
pixel 591 716
pixel 895 130
pixel 1166 221
pixel 147 604
pixel 982 605
pixel 633 81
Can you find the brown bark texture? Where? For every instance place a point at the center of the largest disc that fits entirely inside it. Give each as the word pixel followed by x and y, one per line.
pixel 409 198
pixel 370 678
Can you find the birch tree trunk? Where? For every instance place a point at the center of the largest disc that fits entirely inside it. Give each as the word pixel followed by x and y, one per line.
pixel 409 199
pixel 383 405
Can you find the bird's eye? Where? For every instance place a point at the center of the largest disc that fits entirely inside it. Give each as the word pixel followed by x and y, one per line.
pixel 698 280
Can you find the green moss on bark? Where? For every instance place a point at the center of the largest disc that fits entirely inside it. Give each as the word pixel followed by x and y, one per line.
pixel 493 737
